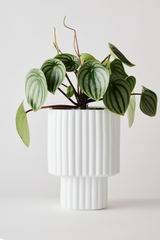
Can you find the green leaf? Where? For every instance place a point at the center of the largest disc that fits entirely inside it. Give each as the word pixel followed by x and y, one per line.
pixel 71 62
pixel 22 125
pixel 54 71
pixel 117 54
pixel 131 110
pixel 107 64
pixel 35 88
pixel 131 81
pixel 117 96
pixel 70 91
pixel 117 68
pixel 148 102
pixel 93 79
pixel 86 57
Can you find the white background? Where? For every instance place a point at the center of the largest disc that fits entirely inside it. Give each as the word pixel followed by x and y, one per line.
pixel 26 36
pixel 26 29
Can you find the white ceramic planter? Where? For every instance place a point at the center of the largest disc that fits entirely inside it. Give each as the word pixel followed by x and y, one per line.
pixel 83 149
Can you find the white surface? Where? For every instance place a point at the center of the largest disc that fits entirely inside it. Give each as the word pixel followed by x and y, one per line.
pixel 38 218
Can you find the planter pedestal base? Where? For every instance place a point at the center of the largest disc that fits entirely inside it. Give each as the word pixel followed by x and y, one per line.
pixel 84 193
pixel 83 150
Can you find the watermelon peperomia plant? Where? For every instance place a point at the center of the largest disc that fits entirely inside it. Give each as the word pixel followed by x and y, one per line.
pixel 104 81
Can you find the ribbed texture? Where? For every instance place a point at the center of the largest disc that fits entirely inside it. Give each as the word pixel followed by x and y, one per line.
pixel 83 142
pixel 84 193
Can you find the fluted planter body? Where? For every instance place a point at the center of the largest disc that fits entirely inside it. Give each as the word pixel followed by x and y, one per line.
pixel 83 149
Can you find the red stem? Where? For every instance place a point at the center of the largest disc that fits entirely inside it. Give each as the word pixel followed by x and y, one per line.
pixel 59 51
pixel 55 106
pixel 76 94
pixel 76 42
pixel 92 100
pixel 67 97
pixel 135 93
pixel 106 58
pixel 77 83
pixel 77 47
pixel 64 85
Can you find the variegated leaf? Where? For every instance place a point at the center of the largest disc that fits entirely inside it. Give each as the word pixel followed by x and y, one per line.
pixel 117 54
pixel 54 71
pixel 117 96
pixel 35 88
pixel 148 102
pixel 117 68
pixel 93 79
pixel 131 81
pixel 70 61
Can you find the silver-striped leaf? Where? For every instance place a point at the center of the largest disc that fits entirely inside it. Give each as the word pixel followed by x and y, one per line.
pixel 54 71
pixel 117 96
pixel 117 54
pixel 93 79
pixel 131 81
pixel 117 68
pixel 22 125
pixel 35 88
pixel 70 61
pixel 148 102
pixel 131 110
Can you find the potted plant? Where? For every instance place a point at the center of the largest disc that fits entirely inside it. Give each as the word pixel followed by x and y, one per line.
pixel 84 142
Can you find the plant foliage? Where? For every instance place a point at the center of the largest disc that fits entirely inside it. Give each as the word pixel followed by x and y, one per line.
pixel 22 125
pixel 96 80
pixel 93 79
pixel 36 88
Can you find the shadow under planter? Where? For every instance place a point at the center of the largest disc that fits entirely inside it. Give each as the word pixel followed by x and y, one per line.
pixel 83 149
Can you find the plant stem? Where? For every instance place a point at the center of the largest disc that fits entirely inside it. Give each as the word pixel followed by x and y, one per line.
pixel 135 93
pixel 84 96
pixel 75 73
pixel 106 58
pixel 59 51
pixel 55 106
pixel 67 97
pixel 64 85
pixel 84 105
pixel 77 83
pixel 92 100
pixel 76 94
pixel 75 34
pixel 77 88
